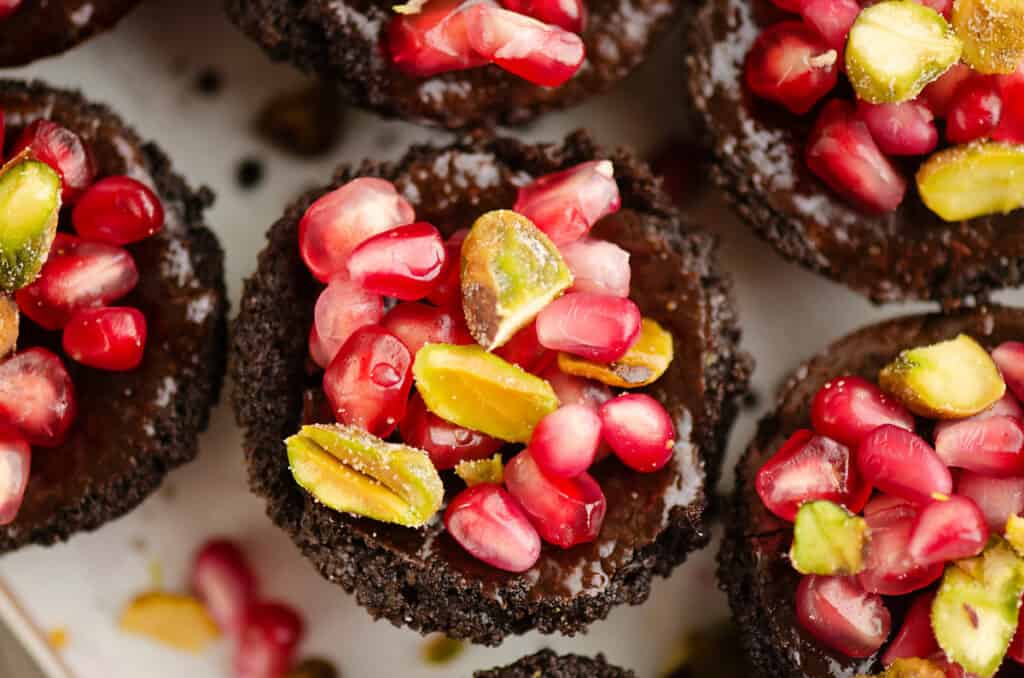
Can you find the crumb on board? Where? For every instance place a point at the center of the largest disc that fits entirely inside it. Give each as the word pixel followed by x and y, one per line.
pixel 57 637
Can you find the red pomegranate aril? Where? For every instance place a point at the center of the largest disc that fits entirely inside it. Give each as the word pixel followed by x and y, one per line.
pixel 488 522
pixel 639 430
pixel 447 292
pixel 446 443
pixel 78 275
pixel 37 396
pixel 222 579
pixel 998 498
pixel 341 309
pixel 568 14
pixel 404 263
pixel 368 382
pixel 994 445
pixel 948 530
pixel 943 7
pixel 7 8
pixel 341 220
pixel 598 266
pixel 832 19
pixel 792 65
pixel 976 110
pixel 565 442
pixel 1011 125
pixel 1016 650
pixel 899 462
pixel 565 511
pixel 572 389
pixel 268 641
pixel 915 637
pixel 15 464
pixel 118 210
pixel 901 129
pixel 809 467
pixel 788 5
pixel 841 615
pixel 848 408
pixel 843 154
pixel 888 569
pixel 1009 358
pixel 541 53
pixel 524 350
pixel 112 339
pixel 418 324
pixel 433 40
pixel 64 151
pixel 939 95
pixel 593 326
pixel 567 204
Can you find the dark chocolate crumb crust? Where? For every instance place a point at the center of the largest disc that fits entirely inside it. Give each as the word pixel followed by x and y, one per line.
pixel 132 427
pixel 41 28
pixel 909 254
pixel 550 665
pixel 342 40
pixel 754 567
pixel 422 578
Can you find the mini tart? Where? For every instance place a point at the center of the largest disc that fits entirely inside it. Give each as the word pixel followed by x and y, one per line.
pixel 550 665
pixel 754 565
pixel 42 28
pixel 423 578
pixel 132 427
pixel 907 254
pixel 343 41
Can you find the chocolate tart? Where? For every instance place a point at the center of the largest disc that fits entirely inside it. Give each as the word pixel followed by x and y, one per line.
pixel 754 566
pixel 132 427
pixel 422 578
pixel 907 254
pixel 550 665
pixel 42 28
pixel 343 41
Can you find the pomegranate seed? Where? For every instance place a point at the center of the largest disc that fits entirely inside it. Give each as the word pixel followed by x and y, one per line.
pixel 847 409
pixel 832 19
pixel 842 152
pixel 118 211
pixel 571 389
pixel 998 498
pixel 15 464
pixel 1016 650
pixel 841 615
pixel 567 204
pixel 594 326
pixel 1007 406
pixel 884 502
pixel 368 382
pixel 524 349
pixel 943 7
pixel 1011 126
pixel 223 580
pixel 7 8
pixel 268 642
pixel 568 14
pixel 898 462
pixel 419 324
pixel 78 275
pixel 404 263
pixel 788 5
pixel 488 522
pixel 598 266
pixel 993 446
pixel 64 151
pixel 915 637
pixel 888 569
pixel 434 40
pixel 565 511
pixel 901 129
pixel 791 65
pixel 976 110
pixel 809 467
pixel 447 292
pixel 342 308
pixel 564 442
pixel 939 95
pixel 341 220
pixel 1009 358
pixel 639 431
pixel 948 530
pixel 37 396
pixel 111 339
pixel 446 443
pixel 541 53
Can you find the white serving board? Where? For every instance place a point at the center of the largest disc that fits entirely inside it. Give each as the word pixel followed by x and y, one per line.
pixel 146 70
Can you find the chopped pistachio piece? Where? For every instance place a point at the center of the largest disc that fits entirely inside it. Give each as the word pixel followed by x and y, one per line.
pixel 29 209
pixel 510 271
pixel 1015 533
pixel 8 326
pixel 964 182
pixel 178 621
pixel 992 32
pixel 912 668
pixel 477 390
pixel 896 48
pixel 348 469
pixel 643 364
pixel 440 649
pixel 313 668
pixel 949 380
pixel 479 471
pixel 828 540
pixel 974 615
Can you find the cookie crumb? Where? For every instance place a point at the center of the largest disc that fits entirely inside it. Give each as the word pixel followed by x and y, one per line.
pixel 209 82
pixel 249 174
pixel 57 637
pixel 303 122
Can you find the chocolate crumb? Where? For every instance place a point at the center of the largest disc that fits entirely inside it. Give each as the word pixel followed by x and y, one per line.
pixel 249 174
pixel 209 82
pixel 305 122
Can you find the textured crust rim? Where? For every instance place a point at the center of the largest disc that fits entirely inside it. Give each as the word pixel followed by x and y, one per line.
pixel 550 665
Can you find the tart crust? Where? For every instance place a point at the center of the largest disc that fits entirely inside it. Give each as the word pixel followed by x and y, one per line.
pixel 550 665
